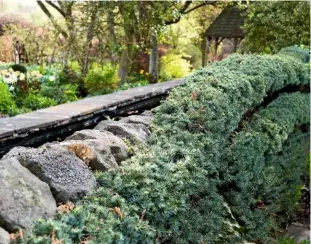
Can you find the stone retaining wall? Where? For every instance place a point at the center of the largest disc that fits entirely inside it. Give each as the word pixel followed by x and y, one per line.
pixel 35 128
pixel 34 181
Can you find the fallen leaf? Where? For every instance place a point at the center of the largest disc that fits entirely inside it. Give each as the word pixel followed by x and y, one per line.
pixel 143 214
pixel 55 240
pixel 66 208
pixel 117 210
pixel 193 96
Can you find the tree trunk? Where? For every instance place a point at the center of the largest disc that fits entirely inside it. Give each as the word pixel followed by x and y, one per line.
pixel 112 39
pixel 89 37
pixel 235 44
pixel 16 52
pixel 216 47
pixel 126 57
pixel 154 60
pixel 204 49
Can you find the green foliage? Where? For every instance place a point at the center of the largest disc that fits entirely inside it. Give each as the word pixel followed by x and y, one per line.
pixel 203 179
pixel 75 66
pixel 267 165
pixel 302 52
pixel 291 240
pixel 7 104
pixel 19 67
pixel 59 93
pixel 35 101
pixel 173 66
pixel 193 54
pixel 126 86
pixel 70 76
pixel 101 80
pixel 273 25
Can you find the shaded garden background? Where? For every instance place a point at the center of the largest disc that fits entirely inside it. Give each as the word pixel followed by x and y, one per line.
pixel 76 49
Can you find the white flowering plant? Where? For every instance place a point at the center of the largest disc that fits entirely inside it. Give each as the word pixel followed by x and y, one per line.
pixel 10 77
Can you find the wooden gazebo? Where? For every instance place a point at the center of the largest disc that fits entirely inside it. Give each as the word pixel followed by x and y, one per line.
pixel 226 25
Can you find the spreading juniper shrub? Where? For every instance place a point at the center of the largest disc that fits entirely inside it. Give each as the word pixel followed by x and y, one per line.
pixel 196 183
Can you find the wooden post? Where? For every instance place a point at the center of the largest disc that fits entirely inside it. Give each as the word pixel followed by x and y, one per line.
pixel 216 47
pixel 205 49
pixel 235 44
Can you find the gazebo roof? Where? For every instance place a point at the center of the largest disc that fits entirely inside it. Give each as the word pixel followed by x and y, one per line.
pixel 227 24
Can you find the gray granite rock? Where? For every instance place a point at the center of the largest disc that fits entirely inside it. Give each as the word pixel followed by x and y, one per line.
pixel 94 153
pixel 135 133
pixel 4 236
pixel 68 177
pixel 298 232
pixel 24 198
pixel 117 146
pixel 138 119
pixel 149 113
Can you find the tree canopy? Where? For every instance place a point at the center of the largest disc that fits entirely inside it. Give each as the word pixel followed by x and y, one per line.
pixel 276 24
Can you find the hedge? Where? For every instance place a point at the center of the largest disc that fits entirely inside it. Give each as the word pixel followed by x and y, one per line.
pixel 254 177
pixel 205 177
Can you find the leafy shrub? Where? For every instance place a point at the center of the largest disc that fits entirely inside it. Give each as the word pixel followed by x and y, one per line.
pixel 34 79
pixel 301 53
pixel 203 179
pixel 19 67
pixel 41 87
pixel 75 66
pixel 7 104
pixel 73 78
pixel 21 110
pixel 11 77
pixel 101 79
pixel 291 240
pixel 272 178
pixel 59 93
pixel 173 66
pixel 126 86
pixel 194 53
pixel 35 101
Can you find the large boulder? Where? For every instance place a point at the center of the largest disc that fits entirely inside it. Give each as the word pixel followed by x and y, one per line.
pixel 24 198
pixel 4 237
pixel 94 153
pixel 117 146
pixel 68 177
pixel 135 133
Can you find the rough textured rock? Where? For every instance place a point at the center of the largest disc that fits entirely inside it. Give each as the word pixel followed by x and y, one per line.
pixel 149 113
pixel 4 236
pixel 94 153
pixel 117 146
pixel 68 177
pixel 135 133
pixel 138 119
pixel 24 198
pixel 299 233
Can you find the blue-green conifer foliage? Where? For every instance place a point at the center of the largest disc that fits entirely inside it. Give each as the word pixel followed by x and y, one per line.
pixel 210 174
